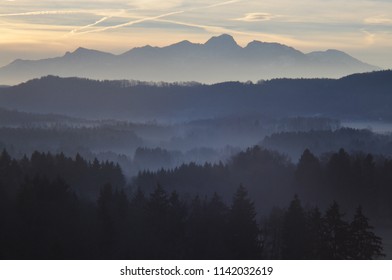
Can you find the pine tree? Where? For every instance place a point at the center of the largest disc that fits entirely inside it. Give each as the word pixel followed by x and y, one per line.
pixel 196 233
pixel 308 175
pixel 272 234
pixel 107 223
pixel 337 234
pixel 176 226
pixel 294 232
pixel 244 233
pixel 316 235
pixel 216 228
pixel 157 230
pixel 365 244
pixel 138 225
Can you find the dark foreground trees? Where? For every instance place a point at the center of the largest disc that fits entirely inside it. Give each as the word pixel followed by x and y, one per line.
pixel 44 218
pixel 308 234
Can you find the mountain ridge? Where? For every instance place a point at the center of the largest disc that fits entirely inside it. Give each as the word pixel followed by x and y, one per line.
pixel 219 59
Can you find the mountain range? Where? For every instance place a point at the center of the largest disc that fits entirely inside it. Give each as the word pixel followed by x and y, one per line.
pixel 219 59
pixel 355 97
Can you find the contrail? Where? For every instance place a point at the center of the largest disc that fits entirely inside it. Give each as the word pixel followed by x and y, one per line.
pixel 152 18
pixel 211 28
pixel 37 13
pixel 129 23
pixel 76 30
pixel 220 4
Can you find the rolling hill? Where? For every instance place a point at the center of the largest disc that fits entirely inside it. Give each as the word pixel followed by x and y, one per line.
pixel 359 96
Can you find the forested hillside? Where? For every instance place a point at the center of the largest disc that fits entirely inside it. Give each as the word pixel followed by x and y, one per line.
pixel 46 215
pixel 360 96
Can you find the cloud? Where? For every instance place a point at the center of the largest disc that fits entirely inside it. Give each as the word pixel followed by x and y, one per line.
pixel 381 20
pixel 155 4
pixel 369 37
pixel 251 17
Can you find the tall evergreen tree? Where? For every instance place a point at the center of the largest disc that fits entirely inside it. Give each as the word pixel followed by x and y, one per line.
pixel 196 233
pixel 308 176
pixel 107 223
pixel 244 233
pixel 316 241
pixel 365 244
pixel 337 234
pixel 216 228
pixel 158 235
pixel 137 235
pixel 176 217
pixel 294 232
pixel 272 234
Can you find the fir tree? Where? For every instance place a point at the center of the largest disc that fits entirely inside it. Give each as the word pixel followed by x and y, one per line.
pixel 244 234
pixel 365 244
pixel 294 232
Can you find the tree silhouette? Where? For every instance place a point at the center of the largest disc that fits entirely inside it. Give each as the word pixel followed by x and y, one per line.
pixel 196 233
pixel 106 218
pixel 137 234
pixel 272 234
pixel 337 234
pixel 48 213
pixel 365 244
pixel 316 239
pixel 216 228
pixel 308 175
pixel 157 230
pixel 41 217
pixel 244 234
pixel 339 175
pixel 177 213
pixel 294 231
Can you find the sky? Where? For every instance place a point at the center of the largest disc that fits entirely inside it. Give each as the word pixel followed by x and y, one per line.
pixel 32 29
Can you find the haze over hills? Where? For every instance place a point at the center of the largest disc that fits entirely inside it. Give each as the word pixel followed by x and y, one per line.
pixel 219 59
pixel 359 96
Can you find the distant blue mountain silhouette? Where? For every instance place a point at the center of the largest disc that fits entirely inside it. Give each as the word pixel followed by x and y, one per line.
pixel 219 59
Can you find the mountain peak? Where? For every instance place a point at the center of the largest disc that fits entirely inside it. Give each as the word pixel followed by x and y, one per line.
pixel 256 43
pixel 336 52
pixel 181 44
pixel 223 40
pixel 330 52
pixel 83 52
